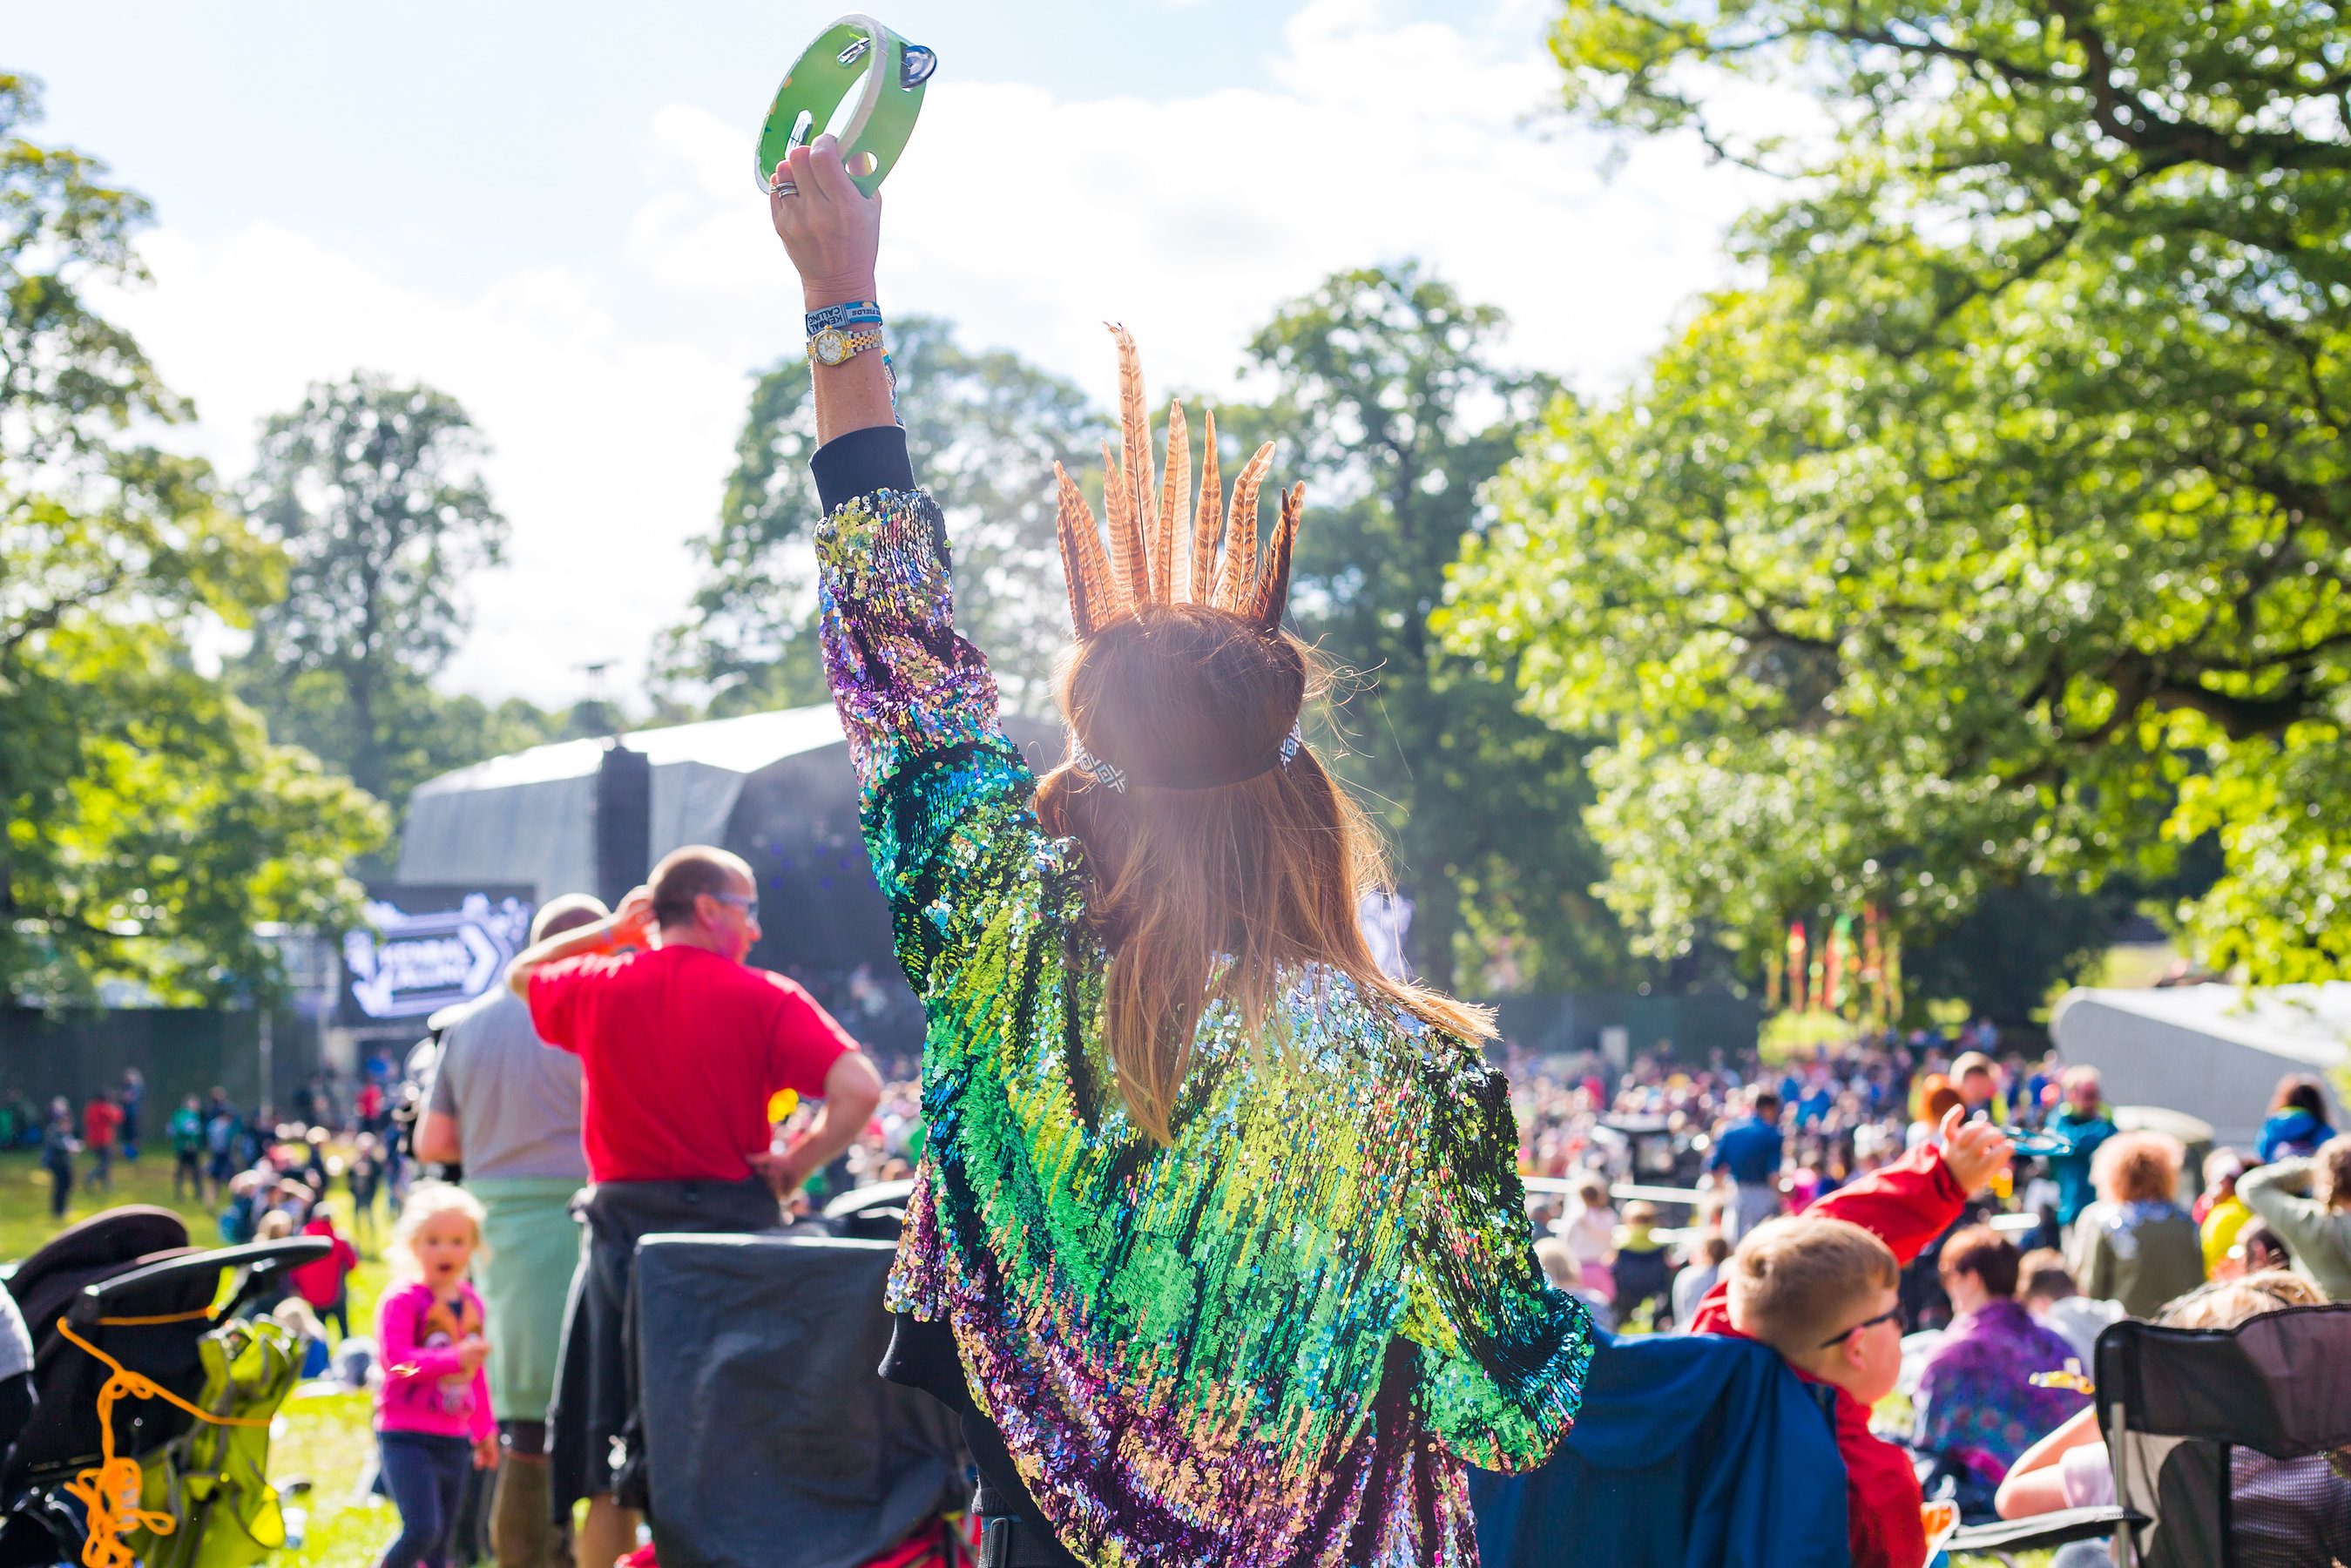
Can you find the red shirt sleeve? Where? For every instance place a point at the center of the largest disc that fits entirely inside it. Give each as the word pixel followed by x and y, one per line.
pixel 555 1002
pixel 804 1043
pixel 1904 1205
pixel 1713 1315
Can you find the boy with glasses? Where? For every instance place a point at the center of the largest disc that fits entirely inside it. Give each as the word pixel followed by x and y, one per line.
pixel 1821 1290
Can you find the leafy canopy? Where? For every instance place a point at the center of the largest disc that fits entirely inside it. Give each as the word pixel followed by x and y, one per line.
pixel 149 825
pixel 1389 404
pixel 2003 526
pixel 984 431
pixel 373 490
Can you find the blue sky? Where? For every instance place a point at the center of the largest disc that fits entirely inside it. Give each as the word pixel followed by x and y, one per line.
pixel 548 211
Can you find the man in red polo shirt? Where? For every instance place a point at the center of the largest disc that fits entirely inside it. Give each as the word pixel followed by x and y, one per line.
pixel 682 1046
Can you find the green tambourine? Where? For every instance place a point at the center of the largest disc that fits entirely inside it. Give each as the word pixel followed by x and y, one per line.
pixel 861 82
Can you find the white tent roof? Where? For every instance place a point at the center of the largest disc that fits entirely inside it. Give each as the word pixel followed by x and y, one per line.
pixel 740 745
pixel 2214 1050
pixel 527 818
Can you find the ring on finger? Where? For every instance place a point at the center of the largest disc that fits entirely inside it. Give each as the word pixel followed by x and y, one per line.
pixel 783 188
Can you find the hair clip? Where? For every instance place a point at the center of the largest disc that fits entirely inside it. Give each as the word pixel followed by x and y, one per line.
pixel 1086 762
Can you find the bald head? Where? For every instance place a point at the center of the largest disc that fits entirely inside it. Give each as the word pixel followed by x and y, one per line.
pixel 691 872
pixel 568 912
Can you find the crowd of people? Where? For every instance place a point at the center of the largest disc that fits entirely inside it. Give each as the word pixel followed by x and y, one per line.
pixel 1993 1299
pixel 1999 1303
pixel 239 1160
pixel 1993 1278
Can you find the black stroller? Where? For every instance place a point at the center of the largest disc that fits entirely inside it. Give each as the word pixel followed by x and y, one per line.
pixel 2231 1447
pixel 128 1284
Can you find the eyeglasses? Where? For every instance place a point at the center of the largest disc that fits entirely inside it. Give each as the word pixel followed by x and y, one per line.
pixel 748 903
pixel 1885 1317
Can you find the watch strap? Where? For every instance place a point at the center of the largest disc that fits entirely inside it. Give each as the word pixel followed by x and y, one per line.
pixel 832 346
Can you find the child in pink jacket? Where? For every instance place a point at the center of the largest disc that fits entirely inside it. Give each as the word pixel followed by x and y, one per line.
pixel 433 1414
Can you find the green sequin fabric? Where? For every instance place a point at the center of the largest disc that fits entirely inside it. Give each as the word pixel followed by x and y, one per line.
pixel 1279 1341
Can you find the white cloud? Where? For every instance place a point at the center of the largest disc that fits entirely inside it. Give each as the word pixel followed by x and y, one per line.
pixel 1031 219
pixel 607 453
pixel 1028 217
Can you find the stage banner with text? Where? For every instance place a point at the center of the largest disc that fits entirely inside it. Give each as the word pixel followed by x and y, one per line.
pixel 424 947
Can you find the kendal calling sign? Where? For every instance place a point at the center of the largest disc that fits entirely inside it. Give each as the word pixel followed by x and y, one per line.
pixel 425 947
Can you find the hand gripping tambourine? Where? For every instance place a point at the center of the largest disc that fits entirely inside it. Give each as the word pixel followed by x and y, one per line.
pixel 860 82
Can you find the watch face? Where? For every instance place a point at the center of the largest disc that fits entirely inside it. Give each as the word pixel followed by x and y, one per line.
pixel 831 346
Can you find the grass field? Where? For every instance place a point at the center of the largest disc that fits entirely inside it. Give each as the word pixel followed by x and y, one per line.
pixel 323 1437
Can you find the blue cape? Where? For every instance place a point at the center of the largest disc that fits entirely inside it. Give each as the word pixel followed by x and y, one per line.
pixel 1692 1451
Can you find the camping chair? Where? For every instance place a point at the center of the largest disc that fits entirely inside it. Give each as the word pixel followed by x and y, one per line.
pixel 767 1434
pixel 153 1319
pixel 874 1213
pixel 2223 1443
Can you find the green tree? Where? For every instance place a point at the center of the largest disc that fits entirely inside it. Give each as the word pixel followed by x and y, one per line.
pixel 149 825
pixel 374 489
pixel 984 431
pixel 419 731
pixel 1388 403
pixel 2002 527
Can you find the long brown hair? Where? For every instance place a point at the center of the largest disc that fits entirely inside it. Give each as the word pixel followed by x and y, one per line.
pixel 1268 870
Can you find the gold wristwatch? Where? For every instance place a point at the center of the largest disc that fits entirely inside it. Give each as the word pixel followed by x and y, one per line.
pixel 831 346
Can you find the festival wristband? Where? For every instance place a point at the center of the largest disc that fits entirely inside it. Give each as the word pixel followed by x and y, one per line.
pixel 860 82
pixel 854 313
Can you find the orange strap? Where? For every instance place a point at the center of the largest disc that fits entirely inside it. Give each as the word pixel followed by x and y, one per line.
pixel 141 1322
pixel 111 1491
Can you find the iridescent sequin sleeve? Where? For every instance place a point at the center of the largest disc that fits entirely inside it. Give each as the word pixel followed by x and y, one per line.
pixel 943 791
pixel 1503 1353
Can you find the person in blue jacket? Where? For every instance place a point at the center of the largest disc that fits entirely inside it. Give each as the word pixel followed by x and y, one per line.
pixel 2297 1120
pixel 2083 1121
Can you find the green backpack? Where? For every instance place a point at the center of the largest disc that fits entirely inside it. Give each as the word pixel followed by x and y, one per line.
pixel 215 1480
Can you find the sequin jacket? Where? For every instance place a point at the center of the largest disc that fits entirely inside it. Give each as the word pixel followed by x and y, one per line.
pixel 1279 1341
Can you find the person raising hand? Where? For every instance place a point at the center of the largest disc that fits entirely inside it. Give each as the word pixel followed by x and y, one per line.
pixel 1218 1248
pixel 1904 1206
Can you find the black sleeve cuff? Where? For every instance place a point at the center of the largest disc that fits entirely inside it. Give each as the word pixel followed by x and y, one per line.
pixel 860 463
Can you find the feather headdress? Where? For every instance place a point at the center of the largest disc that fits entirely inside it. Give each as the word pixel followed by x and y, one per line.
pixel 1147 560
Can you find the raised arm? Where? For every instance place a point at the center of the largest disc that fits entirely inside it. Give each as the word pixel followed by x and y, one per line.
pixel 945 792
pixel 1909 1203
pixel 624 927
pixel 2278 1193
pixel 832 231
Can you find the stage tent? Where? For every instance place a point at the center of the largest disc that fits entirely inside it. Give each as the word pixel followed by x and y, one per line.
pixel 775 788
pixel 2216 1052
pixel 529 818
